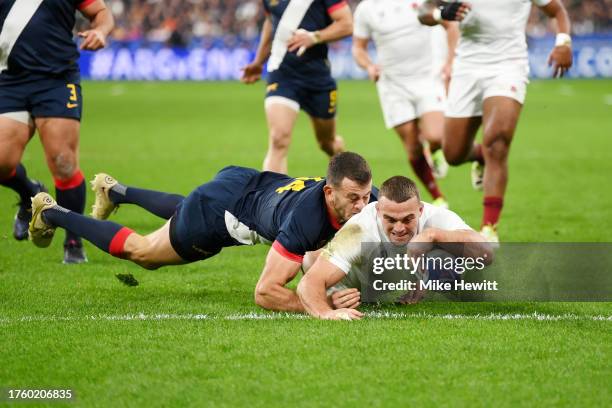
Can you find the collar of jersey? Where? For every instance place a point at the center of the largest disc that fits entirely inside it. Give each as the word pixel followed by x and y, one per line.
pixel 332 220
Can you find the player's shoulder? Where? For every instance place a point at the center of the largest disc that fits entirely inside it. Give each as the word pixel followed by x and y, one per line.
pixel 364 7
pixel 434 216
pixel 364 221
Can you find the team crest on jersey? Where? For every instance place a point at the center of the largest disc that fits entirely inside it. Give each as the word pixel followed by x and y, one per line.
pixel 273 3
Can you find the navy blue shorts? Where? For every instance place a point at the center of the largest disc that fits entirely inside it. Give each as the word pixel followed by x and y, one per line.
pixel 197 229
pixel 318 103
pixel 43 96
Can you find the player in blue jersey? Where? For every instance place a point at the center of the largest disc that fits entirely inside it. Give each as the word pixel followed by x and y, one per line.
pixel 240 206
pixel 39 89
pixel 294 43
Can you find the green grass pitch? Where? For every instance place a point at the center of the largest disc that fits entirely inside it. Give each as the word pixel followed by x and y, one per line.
pixel 191 335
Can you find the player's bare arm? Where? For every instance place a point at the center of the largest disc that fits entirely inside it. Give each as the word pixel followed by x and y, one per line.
pixel 342 26
pixel 361 56
pixel 474 248
pixel 433 12
pixel 350 297
pixel 312 292
pixel 452 38
pixel 102 24
pixel 561 56
pixel 251 73
pixel 270 292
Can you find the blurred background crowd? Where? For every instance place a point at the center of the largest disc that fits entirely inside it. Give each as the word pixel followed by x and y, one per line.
pixel 232 22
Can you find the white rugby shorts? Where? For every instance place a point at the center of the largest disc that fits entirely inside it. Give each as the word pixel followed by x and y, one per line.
pixel 469 88
pixel 403 99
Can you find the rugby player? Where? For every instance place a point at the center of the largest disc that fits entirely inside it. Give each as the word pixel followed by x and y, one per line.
pixel 240 206
pixel 398 218
pixel 40 89
pixel 488 87
pixel 294 41
pixel 411 94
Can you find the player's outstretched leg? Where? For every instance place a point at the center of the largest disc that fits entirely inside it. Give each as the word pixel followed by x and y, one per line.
pixel 110 193
pixel 150 252
pixel 19 182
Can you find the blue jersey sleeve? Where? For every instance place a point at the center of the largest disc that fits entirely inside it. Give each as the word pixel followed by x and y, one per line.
pixel 295 238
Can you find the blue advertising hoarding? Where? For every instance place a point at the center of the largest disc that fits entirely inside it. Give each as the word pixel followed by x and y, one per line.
pixel 592 59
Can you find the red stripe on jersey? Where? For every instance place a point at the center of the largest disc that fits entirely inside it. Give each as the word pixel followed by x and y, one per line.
pixel 286 254
pixel 84 4
pixel 336 6
pixel 74 181
pixel 332 220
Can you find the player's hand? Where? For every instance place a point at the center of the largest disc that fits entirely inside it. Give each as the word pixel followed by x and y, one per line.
pixel 301 41
pixel 93 40
pixel 561 59
pixel 346 299
pixel 251 73
pixel 421 243
pixel 456 11
pixel 342 314
pixel 374 72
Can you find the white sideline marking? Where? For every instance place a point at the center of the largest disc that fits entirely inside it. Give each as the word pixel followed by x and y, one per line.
pixel 294 316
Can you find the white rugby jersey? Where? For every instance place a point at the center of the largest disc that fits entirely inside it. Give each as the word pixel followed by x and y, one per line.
pixel 403 44
pixel 494 32
pixel 345 249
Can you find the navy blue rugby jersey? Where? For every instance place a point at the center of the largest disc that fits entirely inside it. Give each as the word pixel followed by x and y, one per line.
pixel 290 212
pixel 36 37
pixel 313 64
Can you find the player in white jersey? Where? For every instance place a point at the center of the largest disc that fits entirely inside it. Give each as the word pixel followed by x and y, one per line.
pixel 398 218
pixel 411 93
pixel 488 86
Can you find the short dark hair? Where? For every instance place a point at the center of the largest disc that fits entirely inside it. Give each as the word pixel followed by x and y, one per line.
pixel 399 189
pixel 349 165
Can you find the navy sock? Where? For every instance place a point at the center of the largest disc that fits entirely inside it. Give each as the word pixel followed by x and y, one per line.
pixel 161 204
pixel 20 183
pixel 71 194
pixel 100 233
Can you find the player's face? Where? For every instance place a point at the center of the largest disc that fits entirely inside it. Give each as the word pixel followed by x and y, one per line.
pixel 400 220
pixel 348 199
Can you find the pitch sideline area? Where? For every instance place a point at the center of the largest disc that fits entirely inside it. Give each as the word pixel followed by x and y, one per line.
pixel 294 316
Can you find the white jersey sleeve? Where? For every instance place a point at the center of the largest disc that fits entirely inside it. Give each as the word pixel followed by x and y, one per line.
pixel 344 250
pixel 361 27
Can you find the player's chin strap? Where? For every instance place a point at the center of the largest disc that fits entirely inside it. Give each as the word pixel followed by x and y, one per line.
pixel 288 24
